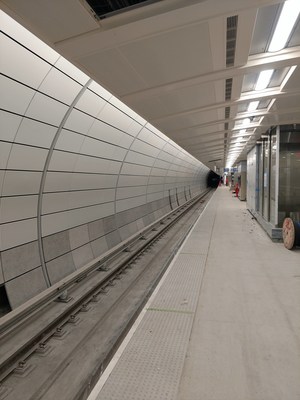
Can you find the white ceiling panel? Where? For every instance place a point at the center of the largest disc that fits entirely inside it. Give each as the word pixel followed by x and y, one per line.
pixel 114 72
pixel 172 61
pixel 171 56
pixel 189 98
pixel 186 121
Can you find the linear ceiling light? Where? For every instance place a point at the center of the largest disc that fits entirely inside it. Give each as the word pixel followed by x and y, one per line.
pixel 253 105
pixel 246 121
pixel 289 14
pixel 264 79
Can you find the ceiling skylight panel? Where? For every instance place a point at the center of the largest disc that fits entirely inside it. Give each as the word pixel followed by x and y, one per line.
pixel 287 19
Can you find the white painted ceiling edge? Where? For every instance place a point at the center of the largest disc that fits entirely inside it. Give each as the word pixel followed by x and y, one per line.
pixel 167 61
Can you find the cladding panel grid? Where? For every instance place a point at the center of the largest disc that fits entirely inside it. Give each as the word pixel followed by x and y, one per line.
pixel 88 156
pixel 66 201
pixel 76 181
pixel 77 143
pixel 109 134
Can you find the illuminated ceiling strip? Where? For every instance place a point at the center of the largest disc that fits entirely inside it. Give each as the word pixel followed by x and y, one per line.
pixel 253 105
pixel 288 75
pixel 264 79
pixel 285 25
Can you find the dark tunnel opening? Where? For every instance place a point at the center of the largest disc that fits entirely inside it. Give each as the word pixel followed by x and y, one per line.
pixel 213 179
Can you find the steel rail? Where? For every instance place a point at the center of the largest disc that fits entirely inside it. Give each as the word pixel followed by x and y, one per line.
pixel 15 320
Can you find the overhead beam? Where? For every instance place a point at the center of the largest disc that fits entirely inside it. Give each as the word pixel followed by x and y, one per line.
pixel 180 138
pixel 106 37
pixel 268 94
pixel 284 58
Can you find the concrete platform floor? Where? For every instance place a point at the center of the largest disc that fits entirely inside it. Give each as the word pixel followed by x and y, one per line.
pixel 245 341
pixel 240 338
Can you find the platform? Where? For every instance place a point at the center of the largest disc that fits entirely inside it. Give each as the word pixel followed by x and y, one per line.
pixel 224 322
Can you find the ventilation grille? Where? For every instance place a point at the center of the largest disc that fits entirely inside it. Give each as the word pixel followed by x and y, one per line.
pixel 108 8
pixel 227 112
pixel 232 23
pixel 228 89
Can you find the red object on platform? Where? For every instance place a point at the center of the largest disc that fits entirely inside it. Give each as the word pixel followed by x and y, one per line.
pixel 237 189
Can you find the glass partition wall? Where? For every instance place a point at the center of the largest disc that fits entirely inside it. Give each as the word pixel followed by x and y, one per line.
pixel 289 173
pixel 277 172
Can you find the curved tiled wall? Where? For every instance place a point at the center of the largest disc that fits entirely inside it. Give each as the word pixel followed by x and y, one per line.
pixel 79 171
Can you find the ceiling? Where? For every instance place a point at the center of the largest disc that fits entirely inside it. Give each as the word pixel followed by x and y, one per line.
pixel 189 67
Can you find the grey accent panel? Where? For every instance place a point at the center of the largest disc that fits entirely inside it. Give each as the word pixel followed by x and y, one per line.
pixel 173 200
pixel 140 224
pixel 99 246
pixel 158 214
pixel 25 287
pixel 109 224
pixel 56 245
pixel 181 198
pixel 60 267
pixel 148 219
pixel 125 217
pixel 82 255
pixel 128 230
pixel 162 202
pixel 78 236
pixel 96 229
pixel 20 259
pixel 112 239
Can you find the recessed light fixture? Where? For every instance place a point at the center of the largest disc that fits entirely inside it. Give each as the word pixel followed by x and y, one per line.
pixel 246 121
pixel 288 16
pixel 253 105
pixel 264 79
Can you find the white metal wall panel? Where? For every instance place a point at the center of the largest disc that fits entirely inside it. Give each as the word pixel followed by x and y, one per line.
pixel 70 70
pixel 17 208
pixel 110 115
pixel 16 233
pixel 69 141
pixel 79 122
pixel 26 158
pixel 98 89
pixel 18 183
pixel 17 97
pixel 105 132
pixel 9 125
pixel 34 69
pixel 137 158
pixel 35 133
pixel 58 85
pixel 46 109
pixel 90 103
pixel 69 145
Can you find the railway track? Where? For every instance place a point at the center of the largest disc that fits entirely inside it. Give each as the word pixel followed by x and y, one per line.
pixel 58 344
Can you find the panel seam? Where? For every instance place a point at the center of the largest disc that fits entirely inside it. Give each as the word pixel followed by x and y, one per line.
pixel 43 180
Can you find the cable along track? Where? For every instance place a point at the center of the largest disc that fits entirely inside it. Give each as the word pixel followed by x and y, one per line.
pixel 60 341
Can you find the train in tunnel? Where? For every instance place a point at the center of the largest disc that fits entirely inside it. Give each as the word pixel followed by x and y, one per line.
pixel 80 171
